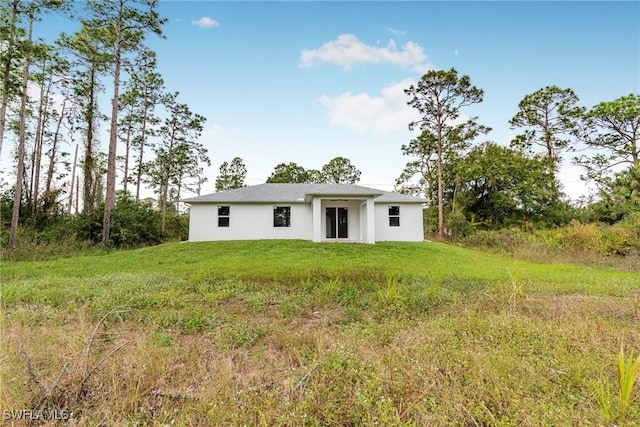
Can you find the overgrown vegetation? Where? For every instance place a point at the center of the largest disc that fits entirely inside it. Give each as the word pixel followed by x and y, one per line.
pixel 134 224
pixel 296 333
pixel 601 244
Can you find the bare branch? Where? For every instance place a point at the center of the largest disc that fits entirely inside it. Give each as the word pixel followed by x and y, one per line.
pixel 301 385
pixel 173 394
pixel 87 351
pixel 97 365
pixel 53 386
pixel 32 373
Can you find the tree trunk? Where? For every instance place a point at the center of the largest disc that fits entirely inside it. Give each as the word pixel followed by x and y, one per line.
pixel 88 200
pixel 440 189
pixel 73 179
pixel 6 73
pixel 163 207
pixel 142 143
pixel 37 151
pixel 54 150
pixel 552 163
pixel 17 198
pixel 165 190
pixel 110 197
pixel 126 157
pixel 440 126
pixel 178 196
pixel 548 140
pixel 77 192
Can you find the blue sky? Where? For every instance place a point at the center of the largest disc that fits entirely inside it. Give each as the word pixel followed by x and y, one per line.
pixel 306 82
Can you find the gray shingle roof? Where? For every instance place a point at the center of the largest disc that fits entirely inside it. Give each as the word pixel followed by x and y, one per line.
pixel 394 197
pixel 299 193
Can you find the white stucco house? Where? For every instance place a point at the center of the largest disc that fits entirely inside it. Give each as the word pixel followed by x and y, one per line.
pixel 316 212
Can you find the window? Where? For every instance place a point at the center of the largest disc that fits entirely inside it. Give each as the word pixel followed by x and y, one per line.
pixel 223 216
pixel 394 216
pixel 282 216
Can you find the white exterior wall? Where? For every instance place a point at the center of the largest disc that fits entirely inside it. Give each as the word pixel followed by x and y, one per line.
pixel 253 221
pixel 411 226
pixel 248 221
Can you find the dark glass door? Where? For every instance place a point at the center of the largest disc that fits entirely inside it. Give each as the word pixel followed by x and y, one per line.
pixel 337 224
pixel 343 230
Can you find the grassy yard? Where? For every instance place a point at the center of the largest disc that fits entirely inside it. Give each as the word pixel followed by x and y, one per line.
pixel 297 333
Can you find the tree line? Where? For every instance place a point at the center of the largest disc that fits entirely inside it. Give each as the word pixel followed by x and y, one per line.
pixel 107 54
pixel 470 185
pixel 50 109
pixel 495 186
pixel 338 170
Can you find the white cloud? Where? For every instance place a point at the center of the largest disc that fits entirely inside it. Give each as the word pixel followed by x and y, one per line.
pixel 396 32
pixel 422 68
pixel 455 52
pixel 213 131
pixel 206 22
pixel 347 51
pixel 388 112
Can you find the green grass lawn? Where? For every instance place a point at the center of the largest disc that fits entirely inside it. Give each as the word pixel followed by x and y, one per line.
pixel 297 333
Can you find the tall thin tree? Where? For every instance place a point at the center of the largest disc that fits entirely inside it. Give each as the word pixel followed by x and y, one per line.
pixel 17 198
pixel 178 153
pixel 551 120
pixel 232 175
pixel 10 31
pixel 89 62
pixel 439 97
pixel 124 26
pixel 614 135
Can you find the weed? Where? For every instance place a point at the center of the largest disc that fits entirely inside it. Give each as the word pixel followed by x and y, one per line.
pixel 242 334
pixel 291 306
pixel 616 408
pixel 628 370
pixel 162 339
pixel 194 324
pixel 390 293
pixel 168 321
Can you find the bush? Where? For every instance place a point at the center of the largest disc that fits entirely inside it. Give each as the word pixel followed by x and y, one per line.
pixel 580 237
pixel 55 233
pixel 133 224
pixel 176 228
pixel 602 239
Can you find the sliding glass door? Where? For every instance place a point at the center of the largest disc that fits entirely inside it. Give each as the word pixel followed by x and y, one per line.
pixel 337 224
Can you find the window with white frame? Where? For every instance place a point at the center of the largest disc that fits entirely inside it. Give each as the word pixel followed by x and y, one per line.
pixel 282 216
pixel 394 216
pixel 223 216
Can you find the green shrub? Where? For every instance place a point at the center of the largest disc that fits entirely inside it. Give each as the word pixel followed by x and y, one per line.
pixel 133 224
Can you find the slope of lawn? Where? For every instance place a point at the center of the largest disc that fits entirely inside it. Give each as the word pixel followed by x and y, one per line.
pixel 297 333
